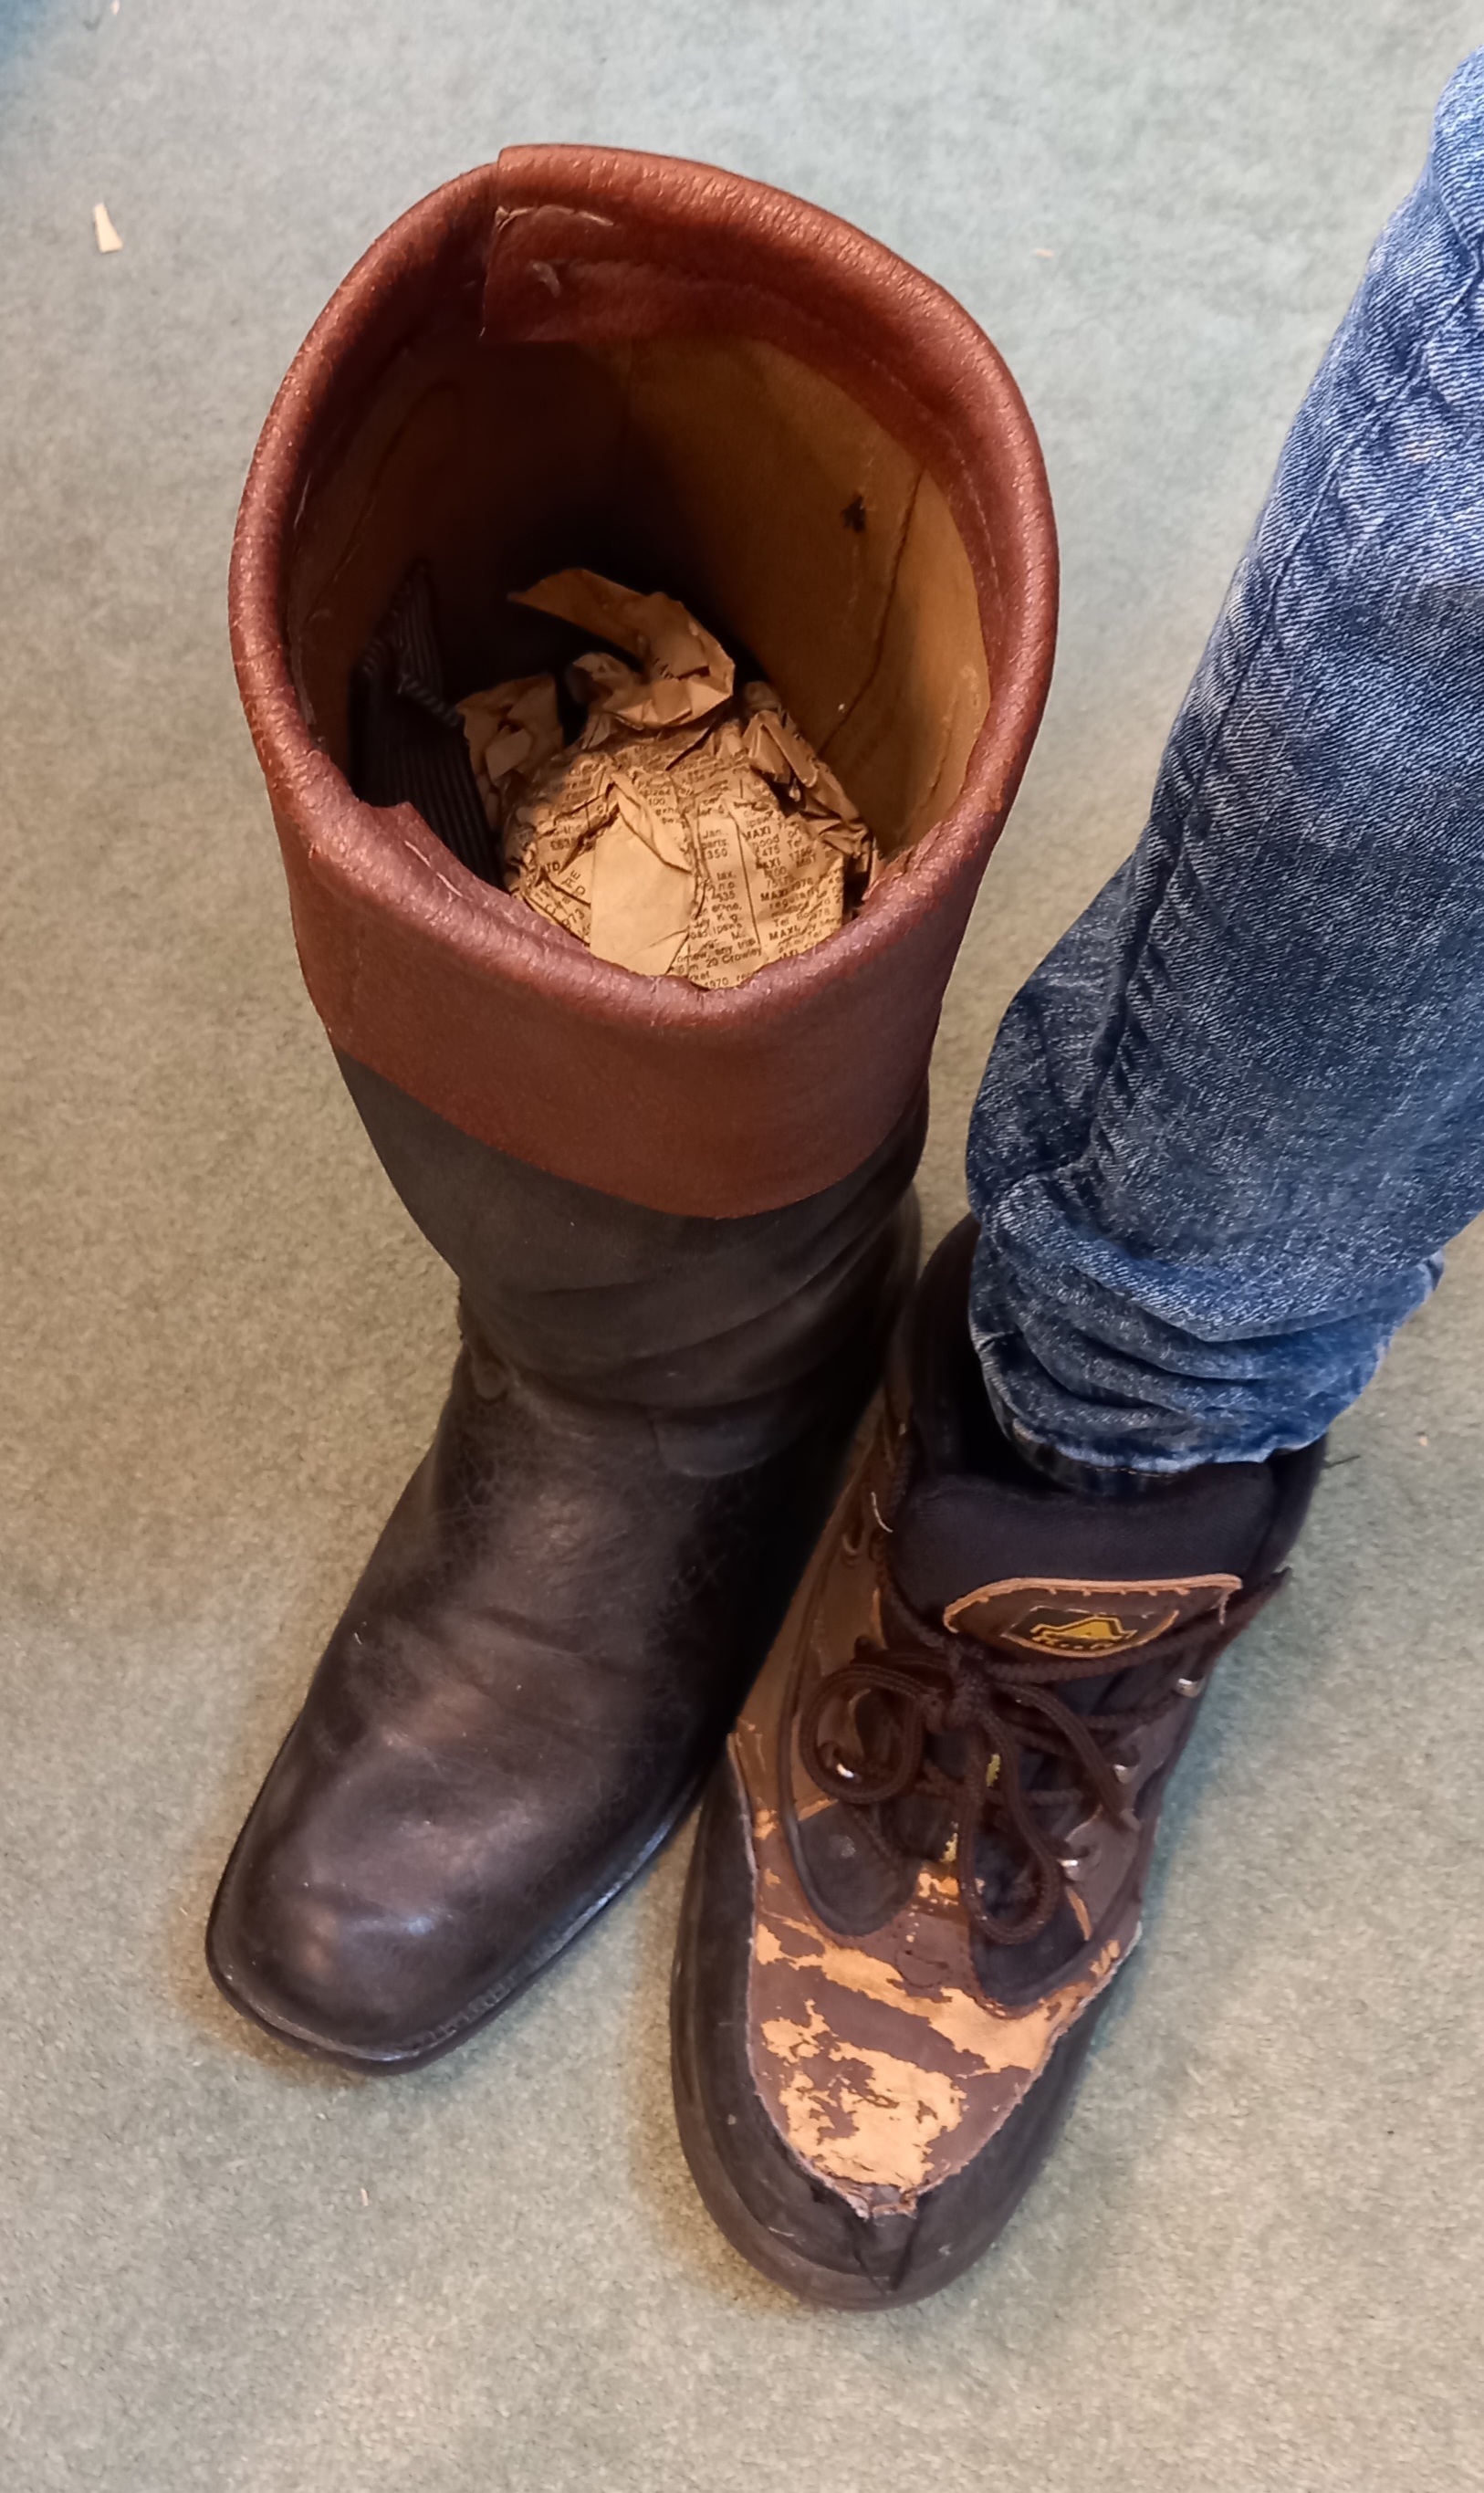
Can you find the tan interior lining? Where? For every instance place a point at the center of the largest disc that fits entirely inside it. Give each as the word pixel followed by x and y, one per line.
pixel 717 469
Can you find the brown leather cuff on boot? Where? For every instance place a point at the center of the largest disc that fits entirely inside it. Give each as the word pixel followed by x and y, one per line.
pixel 689 380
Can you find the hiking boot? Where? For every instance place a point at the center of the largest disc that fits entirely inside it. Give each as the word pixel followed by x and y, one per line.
pixel 922 1863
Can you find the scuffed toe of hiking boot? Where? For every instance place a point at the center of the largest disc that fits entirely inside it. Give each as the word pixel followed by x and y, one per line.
pixel 819 2227
pixel 922 1863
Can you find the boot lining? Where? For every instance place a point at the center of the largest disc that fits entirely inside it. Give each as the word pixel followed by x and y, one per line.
pixel 720 469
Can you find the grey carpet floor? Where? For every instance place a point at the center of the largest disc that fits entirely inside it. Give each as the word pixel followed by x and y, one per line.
pixel 1257 2260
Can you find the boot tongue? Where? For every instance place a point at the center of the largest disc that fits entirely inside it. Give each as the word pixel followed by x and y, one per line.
pixel 1015 1562
pixel 1010 1558
pixel 1027 1567
pixel 1110 1621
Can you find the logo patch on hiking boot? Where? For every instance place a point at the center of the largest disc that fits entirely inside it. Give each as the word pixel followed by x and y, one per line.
pixel 1102 1634
pixel 1084 1621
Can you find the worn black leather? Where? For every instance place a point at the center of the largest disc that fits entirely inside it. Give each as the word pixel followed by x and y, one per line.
pixel 647 1424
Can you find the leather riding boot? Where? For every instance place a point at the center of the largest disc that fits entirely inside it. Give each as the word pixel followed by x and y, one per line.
pixel 680 1219
pixel 646 1427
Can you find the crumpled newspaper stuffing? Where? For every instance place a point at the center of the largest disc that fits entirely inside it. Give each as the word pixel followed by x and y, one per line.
pixel 688 828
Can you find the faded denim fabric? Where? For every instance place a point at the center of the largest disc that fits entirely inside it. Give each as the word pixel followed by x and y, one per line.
pixel 1231 1121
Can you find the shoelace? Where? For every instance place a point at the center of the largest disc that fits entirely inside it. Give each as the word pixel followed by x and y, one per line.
pixel 999 1701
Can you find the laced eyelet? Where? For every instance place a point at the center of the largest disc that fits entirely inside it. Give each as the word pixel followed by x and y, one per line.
pixel 927 1683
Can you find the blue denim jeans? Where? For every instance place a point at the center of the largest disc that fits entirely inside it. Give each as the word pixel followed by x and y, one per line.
pixel 1230 1122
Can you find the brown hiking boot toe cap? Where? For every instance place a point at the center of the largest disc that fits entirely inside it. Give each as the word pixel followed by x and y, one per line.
pixel 823 2246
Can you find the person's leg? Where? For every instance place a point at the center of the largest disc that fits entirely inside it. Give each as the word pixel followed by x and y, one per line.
pixel 1221 1138
pixel 1232 1118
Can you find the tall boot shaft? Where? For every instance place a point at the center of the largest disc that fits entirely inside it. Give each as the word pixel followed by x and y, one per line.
pixel 615 1302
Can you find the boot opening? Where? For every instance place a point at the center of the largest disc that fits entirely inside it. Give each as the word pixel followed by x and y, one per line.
pixel 720 469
